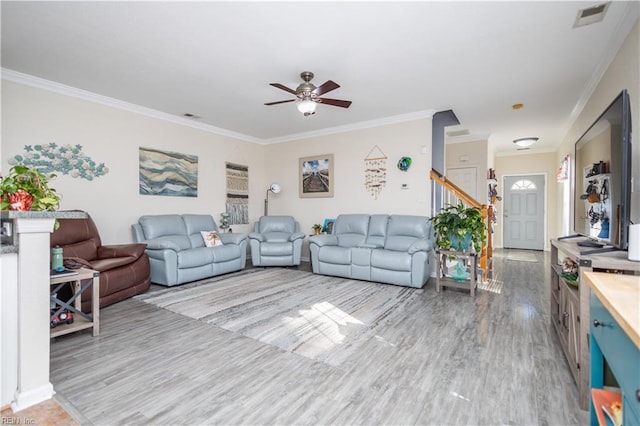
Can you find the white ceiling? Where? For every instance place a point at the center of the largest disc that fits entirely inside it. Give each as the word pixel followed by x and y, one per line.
pixel 394 60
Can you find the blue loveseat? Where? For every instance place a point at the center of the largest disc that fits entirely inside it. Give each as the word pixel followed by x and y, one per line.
pixel 392 249
pixel 177 251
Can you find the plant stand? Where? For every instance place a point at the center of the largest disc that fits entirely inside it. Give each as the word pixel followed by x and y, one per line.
pixel 443 274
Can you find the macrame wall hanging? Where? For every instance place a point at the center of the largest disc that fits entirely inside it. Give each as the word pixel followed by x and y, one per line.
pixel 375 171
pixel 237 193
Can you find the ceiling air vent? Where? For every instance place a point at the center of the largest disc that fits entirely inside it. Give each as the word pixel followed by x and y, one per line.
pixel 591 15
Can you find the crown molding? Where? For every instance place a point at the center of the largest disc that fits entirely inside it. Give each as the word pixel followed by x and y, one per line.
pixel 51 86
pixel 419 115
pixel 530 151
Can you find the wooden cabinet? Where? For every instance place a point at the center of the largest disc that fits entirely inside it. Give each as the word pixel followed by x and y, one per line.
pixel 569 305
pixel 615 336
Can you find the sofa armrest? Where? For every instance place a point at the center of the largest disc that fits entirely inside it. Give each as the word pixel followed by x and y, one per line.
pixel 256 236
pixel 232 238
pixel 420 245
pixel 109 263
pixel 121 250
pixel 324 240
pixel 162 244
pixel 296 236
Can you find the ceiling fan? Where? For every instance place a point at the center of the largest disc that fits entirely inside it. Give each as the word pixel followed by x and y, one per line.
pixel 308 95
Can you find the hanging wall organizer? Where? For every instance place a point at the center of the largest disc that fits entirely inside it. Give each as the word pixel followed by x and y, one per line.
pixel 375 171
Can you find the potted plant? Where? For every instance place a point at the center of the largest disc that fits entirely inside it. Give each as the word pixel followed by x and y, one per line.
pixel 456 226
pixel 24 188
pixel 316 228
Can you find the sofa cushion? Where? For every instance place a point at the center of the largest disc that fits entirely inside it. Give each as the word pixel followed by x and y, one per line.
pixel 171 242
pixel 195 223
pixel 276 224
pixel 161 225
pixel 351 229
pixel 391 260
pixel 205 255
pixel 336 255
pixel 87 250
pixel 404 230
pixel 226 253
pixel 276 249
pixel 276 237
pixel 377 230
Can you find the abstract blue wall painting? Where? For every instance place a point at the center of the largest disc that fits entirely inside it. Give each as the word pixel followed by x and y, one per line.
pixel 168 173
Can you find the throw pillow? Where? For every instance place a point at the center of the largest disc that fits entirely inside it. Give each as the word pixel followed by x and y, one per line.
pixel 211 238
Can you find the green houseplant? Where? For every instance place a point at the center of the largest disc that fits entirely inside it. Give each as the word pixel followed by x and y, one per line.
pixel 317 228
pixel 456 226
pixel 25 188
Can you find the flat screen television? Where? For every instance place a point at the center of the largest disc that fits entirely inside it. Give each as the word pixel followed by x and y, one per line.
pixel 603 178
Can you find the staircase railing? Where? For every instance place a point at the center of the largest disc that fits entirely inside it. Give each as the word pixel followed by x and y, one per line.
pixel 451 194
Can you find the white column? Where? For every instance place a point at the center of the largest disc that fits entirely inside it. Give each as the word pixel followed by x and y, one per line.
pixel 33 312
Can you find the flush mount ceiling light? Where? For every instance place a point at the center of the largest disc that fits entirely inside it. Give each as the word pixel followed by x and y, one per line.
pixel 525 142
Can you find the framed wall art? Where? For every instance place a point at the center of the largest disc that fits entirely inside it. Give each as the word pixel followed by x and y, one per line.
pixel 168 173
pixel 328 226
pixel 316 176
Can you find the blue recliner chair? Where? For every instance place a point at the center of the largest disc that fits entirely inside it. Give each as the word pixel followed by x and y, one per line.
pixel 276 241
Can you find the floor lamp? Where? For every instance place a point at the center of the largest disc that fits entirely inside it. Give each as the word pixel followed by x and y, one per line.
pixel 275 188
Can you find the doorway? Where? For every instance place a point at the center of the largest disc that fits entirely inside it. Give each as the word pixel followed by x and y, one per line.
pixel 524 206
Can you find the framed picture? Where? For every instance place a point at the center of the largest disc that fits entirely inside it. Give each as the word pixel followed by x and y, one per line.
pixel 316 176
pixel 328 226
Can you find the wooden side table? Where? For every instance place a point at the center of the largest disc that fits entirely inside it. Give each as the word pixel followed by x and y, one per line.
pixel 81 320
pixel 471 264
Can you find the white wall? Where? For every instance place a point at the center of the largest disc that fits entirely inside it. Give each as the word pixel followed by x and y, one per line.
pixel 112 136
pixel 350 196
pixel 518 164
pixel 623 73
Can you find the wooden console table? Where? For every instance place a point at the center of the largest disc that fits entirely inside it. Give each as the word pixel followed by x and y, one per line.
pixel 569 305
pixel 81 319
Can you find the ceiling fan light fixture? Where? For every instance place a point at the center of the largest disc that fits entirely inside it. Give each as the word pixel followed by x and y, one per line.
pixel 525 142
pixel 307 107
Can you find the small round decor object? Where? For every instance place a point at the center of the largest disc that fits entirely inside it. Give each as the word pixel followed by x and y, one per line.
pixel 404 163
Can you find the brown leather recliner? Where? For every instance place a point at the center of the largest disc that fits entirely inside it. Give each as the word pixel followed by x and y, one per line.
pixel 124 268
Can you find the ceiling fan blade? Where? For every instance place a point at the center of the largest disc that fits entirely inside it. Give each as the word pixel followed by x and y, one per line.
pixel 335 102
pixel 280 102
pixel 285 88
pixel 326 87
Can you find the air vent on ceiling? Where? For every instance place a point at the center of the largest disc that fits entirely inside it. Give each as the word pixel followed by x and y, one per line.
pixel 460 132
pixel 591 15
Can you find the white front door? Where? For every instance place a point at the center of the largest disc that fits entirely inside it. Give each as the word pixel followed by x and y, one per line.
pixel 524 212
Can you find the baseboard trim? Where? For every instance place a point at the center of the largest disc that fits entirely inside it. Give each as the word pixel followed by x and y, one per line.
pixel 27 399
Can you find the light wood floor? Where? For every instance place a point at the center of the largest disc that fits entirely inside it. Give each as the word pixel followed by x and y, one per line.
pixel 448 359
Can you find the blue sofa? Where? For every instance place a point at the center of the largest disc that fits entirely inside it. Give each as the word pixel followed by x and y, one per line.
pixel 392 249
pixel 177 251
